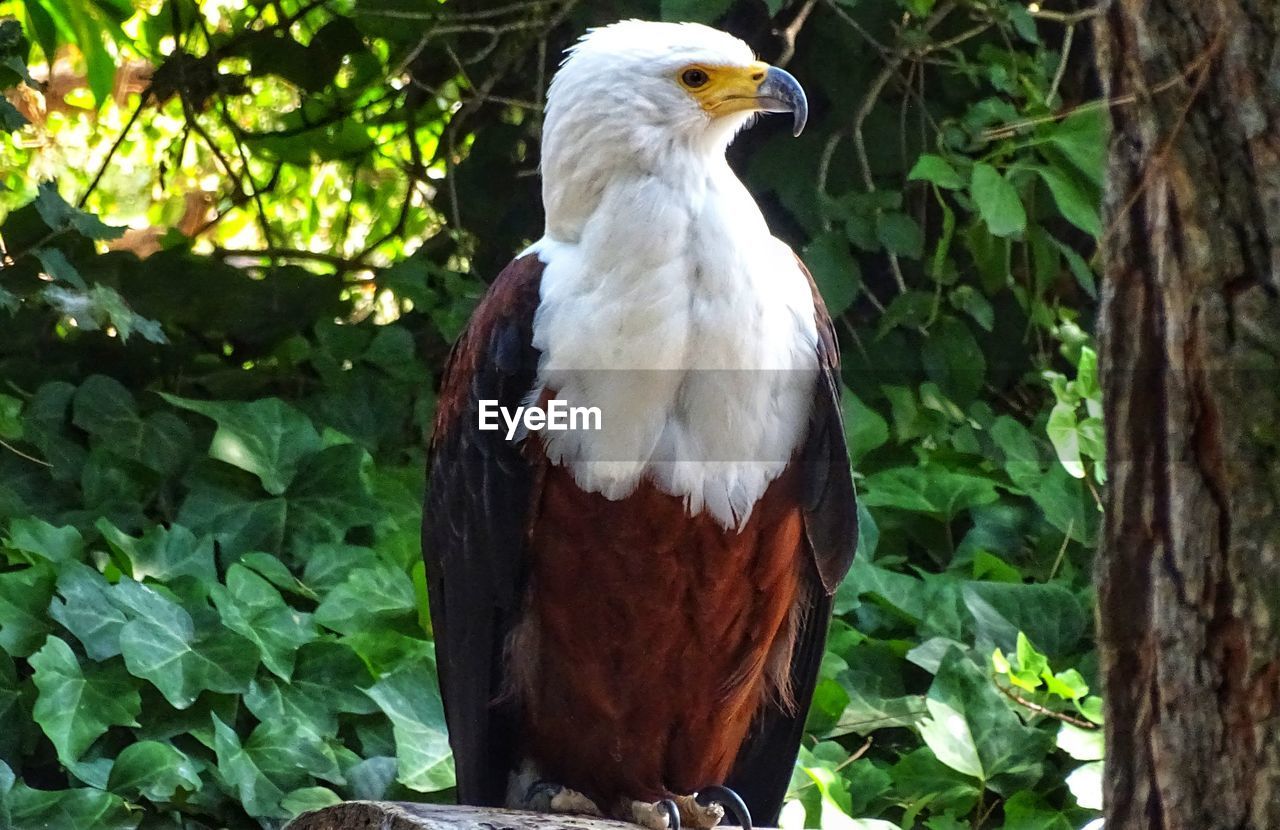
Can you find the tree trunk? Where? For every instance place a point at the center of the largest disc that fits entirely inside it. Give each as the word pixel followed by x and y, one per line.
pixel 1189 570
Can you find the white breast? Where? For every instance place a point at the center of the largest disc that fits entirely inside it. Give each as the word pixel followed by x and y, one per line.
pixel 677 313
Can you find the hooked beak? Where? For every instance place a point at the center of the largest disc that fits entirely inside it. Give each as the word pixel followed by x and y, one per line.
pixel 781 92
pixel 757 87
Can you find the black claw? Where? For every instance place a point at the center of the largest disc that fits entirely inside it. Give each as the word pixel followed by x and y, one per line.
pixel 727 798
pixel 673 813
pixel 541 788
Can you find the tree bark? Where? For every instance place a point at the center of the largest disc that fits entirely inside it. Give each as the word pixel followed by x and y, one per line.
pixel 1189 570
pixel 396 815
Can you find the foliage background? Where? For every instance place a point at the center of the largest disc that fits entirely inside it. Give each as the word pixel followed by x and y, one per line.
pixel 212 610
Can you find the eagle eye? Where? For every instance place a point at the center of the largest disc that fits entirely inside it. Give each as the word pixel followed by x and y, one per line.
pixel 694 78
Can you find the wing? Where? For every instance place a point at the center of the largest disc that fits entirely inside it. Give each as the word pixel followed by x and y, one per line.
pixel 480 494
pixel 763 768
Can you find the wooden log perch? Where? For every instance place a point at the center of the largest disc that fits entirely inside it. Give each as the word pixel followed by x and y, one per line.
pixel 401 815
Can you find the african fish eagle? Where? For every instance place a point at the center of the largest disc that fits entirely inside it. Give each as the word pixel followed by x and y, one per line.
pixel 629 618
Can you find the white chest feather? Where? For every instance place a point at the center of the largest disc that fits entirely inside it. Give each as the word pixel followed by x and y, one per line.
pixel 678 315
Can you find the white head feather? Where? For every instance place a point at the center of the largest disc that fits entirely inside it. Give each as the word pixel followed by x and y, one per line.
pixel 665 300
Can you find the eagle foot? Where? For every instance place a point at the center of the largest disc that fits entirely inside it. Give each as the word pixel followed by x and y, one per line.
pixel 680 812
pixel 547 797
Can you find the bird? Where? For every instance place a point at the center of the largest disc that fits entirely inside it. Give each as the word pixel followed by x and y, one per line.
pixel 629 612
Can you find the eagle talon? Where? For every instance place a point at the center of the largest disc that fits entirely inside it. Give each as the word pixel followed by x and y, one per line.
pixel 729 800
pixel 673 813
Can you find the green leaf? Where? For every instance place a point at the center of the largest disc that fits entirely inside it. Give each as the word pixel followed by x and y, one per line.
pixel 24 598
pixel 1078 206
pixel 309 798
pixel 1068 684
pixel 899 234
pixel 1050 615
pixel 154 770
pixel 936 169
pixel 1082 138
pixel 288 751
pixel 60 216
pixel 864 428
pixel 34 536
pixel 1085 784
pixel 160 644
pixel 1028 811
pixel 974 303
pixel 998 202
pixel 258 794
pixel 83 607
pixel 953 360
pixel 1081 744
pixel 251 607
pixel 69 809
pixel 936 491
pixel 266 437
pixel 328 678
pixel 104 408
pixel 368 599
pixel 1030 660
pixel 836 272
pixel 409 697
pixel 10 418
pixel 1062 431
pixel 973 730
pixel 76 707
pixel 695 11
pixel 56 265
pixel 164 554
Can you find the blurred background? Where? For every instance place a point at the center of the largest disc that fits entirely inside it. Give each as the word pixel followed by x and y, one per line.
pixel 238 239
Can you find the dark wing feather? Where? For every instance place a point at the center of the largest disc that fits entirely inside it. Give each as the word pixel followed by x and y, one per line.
pixel 480 493
pixel 762 771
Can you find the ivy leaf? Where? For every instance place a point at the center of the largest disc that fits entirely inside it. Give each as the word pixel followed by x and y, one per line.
pixel 75 707
pixel 160 644
pixel 267 437
pixel 83 607
pixel 1063 432
pixel 251 607
pixel 164 554
pixel 104 408
pixel 24 596
pixel 998 202
pixel 154 770
pixel 309 798
pixel 38 537
pixel 287 751
pixel 1085 784
pixel 69 809
pixel 972 729
pixel 409 697
pixel 1049 614
pixel 368 598
pixel 1081 744
pixel 936 491
pixel 328 678
pixel 257 793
